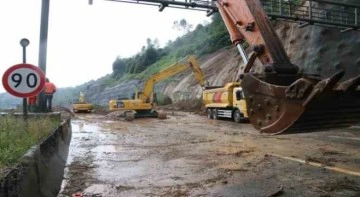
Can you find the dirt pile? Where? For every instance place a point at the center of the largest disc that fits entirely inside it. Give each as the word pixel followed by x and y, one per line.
pixel 189 105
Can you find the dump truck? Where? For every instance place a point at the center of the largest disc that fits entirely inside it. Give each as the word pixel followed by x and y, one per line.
pixel 144 103
pixel 80 105
pixel 226 102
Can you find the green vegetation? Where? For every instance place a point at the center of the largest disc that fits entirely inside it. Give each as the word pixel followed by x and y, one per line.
pixel 205 39
pixel 17 136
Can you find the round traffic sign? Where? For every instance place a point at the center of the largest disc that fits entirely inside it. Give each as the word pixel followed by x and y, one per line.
pixel 23 80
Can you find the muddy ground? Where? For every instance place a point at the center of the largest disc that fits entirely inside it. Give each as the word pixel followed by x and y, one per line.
pixel 189 155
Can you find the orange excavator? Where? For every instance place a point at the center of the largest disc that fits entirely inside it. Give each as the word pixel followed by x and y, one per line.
pixel 281 99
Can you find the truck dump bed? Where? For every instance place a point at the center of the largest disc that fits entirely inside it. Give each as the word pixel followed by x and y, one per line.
pixel 219 96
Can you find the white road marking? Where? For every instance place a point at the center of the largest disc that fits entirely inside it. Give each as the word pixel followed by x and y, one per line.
pixel 349 138
pixel 336 169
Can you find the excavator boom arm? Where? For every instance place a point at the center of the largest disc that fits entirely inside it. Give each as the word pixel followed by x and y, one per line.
pixel 199 76
pixel 246 20
pixel 171 71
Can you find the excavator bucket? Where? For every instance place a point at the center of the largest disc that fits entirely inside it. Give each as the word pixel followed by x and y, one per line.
pixel 279 104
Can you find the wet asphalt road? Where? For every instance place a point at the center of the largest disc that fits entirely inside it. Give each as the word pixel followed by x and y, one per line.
pixel 189 155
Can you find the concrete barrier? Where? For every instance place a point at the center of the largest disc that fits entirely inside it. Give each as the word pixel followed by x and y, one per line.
pixel 40 171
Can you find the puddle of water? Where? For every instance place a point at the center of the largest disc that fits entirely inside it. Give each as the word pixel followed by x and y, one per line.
pixel 107 149
pixel 81 133
pixel 108 121
pixel 113 172
pixel 99 189
pixel 80 126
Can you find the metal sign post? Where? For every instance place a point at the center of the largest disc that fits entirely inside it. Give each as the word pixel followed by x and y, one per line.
pixel 24 43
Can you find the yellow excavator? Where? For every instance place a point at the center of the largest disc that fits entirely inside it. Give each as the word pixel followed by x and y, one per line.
pixel 80 105
pixel 143 103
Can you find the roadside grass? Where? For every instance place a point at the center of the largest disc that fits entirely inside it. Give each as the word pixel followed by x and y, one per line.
pixel 17 136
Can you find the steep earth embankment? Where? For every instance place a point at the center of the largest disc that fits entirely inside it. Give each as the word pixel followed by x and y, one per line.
pixel 322 51
pixel 314 49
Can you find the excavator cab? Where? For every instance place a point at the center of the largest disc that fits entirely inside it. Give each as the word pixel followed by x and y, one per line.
pixel 281 99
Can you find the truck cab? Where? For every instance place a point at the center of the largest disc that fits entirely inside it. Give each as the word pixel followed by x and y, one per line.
pixel 240 108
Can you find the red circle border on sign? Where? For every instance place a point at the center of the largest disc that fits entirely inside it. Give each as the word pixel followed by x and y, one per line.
pixel 23 95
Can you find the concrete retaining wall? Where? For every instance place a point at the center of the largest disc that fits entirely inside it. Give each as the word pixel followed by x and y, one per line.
pixel 40 171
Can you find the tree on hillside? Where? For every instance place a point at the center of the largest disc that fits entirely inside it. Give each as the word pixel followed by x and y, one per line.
pixel 119 67
pixel 205 39
pixel 183 26
pixel 152 43
pixel 148 56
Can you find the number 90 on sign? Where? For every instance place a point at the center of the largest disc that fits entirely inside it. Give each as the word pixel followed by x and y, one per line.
pixel 23 80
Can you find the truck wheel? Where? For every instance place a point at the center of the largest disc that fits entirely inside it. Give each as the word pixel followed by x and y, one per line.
pixel 215 114
pixel 161 114
pixel 237 116
pixel 209 114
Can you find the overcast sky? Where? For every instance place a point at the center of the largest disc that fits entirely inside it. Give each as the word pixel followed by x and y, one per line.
pixel 83 39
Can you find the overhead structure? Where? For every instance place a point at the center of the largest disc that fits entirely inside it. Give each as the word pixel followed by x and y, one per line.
pixel 310 12
pixel 315 12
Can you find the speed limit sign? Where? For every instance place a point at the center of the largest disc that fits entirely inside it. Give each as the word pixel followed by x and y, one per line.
pixel 23 80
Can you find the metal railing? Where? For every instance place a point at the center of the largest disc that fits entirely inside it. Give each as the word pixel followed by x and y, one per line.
pixel 200 5
pixel 315 12
pixel 304 12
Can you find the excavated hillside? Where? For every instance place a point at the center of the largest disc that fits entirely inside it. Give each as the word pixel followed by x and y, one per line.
pixel 315 49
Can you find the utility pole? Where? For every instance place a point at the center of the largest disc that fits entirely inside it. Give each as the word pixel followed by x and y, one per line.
pixel 43 47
